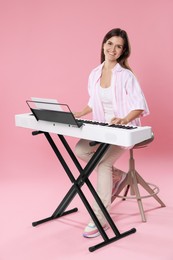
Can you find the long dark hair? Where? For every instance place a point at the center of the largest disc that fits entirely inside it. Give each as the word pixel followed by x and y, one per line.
pixel 126 48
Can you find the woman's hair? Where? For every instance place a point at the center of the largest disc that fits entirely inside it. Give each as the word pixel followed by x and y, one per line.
pixel 126 48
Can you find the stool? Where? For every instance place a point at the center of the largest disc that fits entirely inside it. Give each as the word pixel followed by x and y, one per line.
pixel 133 180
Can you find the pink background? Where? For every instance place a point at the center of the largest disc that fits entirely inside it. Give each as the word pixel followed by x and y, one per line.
pixel 48 48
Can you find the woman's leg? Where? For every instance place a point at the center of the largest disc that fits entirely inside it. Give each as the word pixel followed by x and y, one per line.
pixel 104 179
pixel 84 151
pixel 104 172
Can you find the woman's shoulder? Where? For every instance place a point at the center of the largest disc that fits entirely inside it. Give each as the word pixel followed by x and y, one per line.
pixel 122 69
pixel 97 68
pixel 123 72
pixel 96 71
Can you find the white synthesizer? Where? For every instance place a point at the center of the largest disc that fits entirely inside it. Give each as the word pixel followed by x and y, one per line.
pixel 116 135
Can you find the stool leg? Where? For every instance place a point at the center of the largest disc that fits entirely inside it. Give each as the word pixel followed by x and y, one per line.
pixel 134 184
pixel 138 196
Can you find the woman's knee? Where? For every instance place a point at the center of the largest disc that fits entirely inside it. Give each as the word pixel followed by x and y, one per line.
pixel 78 149
pixel 81 148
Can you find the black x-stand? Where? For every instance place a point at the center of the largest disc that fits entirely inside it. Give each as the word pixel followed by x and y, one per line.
pixel 84 173
pixel 76 189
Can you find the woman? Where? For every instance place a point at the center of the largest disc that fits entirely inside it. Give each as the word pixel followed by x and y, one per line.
pixel 115 97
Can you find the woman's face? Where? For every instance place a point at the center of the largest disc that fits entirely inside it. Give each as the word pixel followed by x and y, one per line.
pixel 113 48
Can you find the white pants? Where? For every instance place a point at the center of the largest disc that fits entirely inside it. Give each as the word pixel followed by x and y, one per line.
pixel 104 172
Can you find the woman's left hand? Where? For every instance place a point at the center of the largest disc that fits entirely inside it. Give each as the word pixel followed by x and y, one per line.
pixel 119 121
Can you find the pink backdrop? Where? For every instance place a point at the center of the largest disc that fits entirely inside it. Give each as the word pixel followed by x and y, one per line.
pixel 48 48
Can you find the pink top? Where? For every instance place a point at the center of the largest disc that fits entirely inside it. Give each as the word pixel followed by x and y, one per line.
pixel 126 94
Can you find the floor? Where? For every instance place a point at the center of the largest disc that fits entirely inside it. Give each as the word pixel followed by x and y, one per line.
pixel 28 196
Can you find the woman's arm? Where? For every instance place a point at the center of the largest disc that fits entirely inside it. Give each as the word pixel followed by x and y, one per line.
pixel 84 112
pixel 126 120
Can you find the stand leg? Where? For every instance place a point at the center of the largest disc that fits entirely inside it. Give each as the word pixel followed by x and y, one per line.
pixel 111 240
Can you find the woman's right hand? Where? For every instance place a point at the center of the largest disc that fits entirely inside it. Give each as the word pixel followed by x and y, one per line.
pixel 77 114
pixel 84 112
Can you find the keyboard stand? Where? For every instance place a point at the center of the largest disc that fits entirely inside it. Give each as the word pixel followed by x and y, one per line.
pixel 76 189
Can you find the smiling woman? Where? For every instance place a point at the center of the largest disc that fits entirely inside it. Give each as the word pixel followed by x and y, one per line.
pixel 115 98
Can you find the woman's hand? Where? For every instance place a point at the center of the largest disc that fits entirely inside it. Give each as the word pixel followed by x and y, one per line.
pixel 119 121
pixel 126 120
pixel 84 112
pixel 77 114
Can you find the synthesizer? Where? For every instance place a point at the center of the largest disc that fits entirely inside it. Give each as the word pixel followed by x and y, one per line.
pixel 121 135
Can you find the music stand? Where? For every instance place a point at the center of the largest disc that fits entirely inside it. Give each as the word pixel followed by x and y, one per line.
pixel 53 112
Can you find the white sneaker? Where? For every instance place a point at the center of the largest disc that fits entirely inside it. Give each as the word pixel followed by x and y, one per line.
pixel 92 231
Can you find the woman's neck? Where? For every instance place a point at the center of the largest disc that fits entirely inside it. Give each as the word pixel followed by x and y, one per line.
pixel 109 65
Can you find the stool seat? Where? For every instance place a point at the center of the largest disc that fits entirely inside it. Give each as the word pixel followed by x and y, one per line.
pixel 133 180
pixel 144 143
